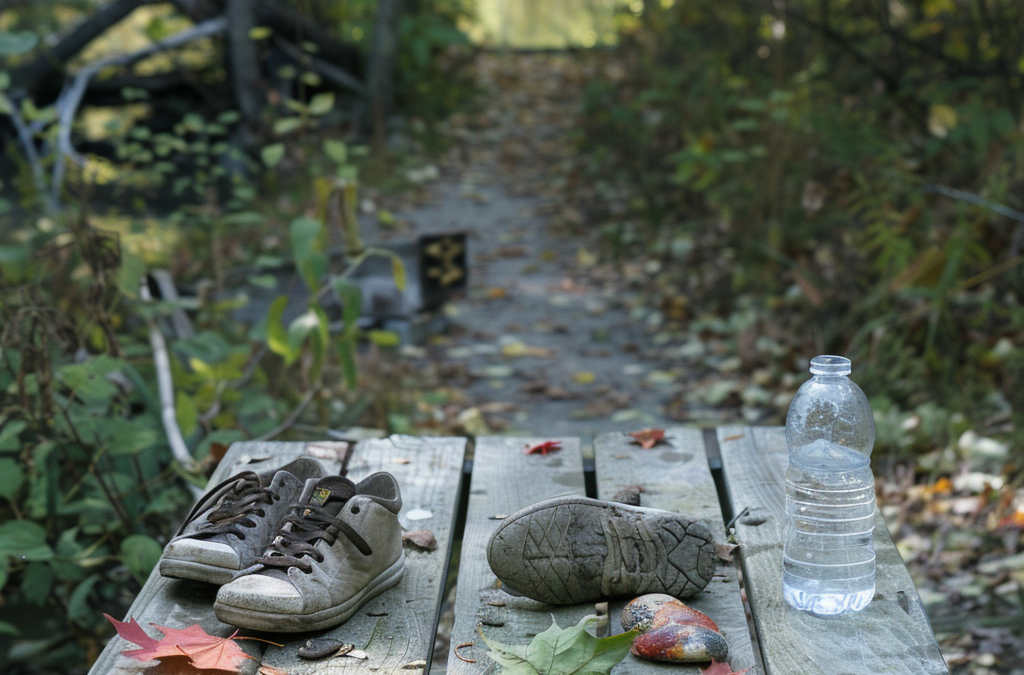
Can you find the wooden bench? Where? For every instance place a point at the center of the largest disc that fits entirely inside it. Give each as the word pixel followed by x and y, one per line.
pixel 738 470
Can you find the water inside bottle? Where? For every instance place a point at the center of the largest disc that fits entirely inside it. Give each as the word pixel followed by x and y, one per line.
pixel 828 559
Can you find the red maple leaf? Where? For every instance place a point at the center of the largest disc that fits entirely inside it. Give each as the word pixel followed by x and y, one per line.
pixel 724 668
pixel 204 651
pixel 648 438
pixel 543 448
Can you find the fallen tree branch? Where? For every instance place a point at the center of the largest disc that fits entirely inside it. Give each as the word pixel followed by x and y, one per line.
pixel 31 154
pixel 71 98
pixel 330 72
pixel 165 386
pixel 51 61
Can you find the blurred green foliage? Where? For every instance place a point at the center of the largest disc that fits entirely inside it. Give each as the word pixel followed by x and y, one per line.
pixel 89 490
pixel 87 480
pixel 848 162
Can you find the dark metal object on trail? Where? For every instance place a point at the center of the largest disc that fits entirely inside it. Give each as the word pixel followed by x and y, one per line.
pixel 436 268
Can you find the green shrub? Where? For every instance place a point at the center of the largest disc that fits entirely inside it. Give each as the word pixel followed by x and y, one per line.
pixel 852 167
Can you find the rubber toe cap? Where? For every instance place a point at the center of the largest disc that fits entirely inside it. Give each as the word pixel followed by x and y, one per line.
pixel 205 552
pixel 261 593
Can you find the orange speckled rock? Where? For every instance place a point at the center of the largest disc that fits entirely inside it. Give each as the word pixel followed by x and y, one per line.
pixel 672 631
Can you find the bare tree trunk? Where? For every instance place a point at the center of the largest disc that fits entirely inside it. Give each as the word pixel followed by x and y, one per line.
pixel 47 67
pixel 244 62
pixel 381 68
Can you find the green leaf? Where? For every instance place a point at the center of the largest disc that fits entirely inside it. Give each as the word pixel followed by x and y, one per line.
pixel 336 150
pixel 42 492
pixel 79 610
pixel 11 477
pixel 272 154
pixel 321 339
pixel 89 381
pixel 572 651
pixel 322 103
pixel 264 281
pixel 308 247
pixel 286 125
pixel 260 32
pixel 185 412
pixel 36 583
pixel 398 272
pixel 384 338
pixel 17 43
pixel 140 553
pixel 9 439
pixel 298 331
pixel 127 437
pixel 277 336
pixel 24 539
pixel 8 629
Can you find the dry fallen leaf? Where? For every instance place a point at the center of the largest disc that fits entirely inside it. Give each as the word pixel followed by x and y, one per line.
pixel 421 539
pixel 725 552
pixel 648 438
pixel 270 670
pixel 717 668
pixel 204 651
pixel 543 448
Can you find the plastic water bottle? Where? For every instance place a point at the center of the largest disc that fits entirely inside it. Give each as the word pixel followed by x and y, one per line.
pixel 828 558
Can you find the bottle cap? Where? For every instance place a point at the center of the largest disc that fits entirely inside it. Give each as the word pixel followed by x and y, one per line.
pixel 830 365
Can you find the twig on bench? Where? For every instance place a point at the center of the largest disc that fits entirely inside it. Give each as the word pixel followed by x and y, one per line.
pixel 460 656
pixel 745 511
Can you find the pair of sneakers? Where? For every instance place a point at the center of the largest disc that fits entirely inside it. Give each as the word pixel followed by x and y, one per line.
pixel 293 549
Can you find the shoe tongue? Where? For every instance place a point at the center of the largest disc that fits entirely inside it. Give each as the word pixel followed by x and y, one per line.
pixel 332 493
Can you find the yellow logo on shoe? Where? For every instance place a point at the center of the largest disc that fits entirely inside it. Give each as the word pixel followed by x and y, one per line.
pixel 320 496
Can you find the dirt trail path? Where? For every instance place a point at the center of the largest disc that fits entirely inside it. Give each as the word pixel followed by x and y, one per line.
pixel 542 345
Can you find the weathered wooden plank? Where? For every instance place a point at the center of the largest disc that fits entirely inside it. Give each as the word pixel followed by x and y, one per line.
pixel 397 628
pixel 177 603
pixel 504 481
pixel 675 477
pixel 892 635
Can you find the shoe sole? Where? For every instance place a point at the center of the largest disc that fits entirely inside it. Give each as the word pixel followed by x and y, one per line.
pixel 196 571
pixel 569 549
pixel 300 623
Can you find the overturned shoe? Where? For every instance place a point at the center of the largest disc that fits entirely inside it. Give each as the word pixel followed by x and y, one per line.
pixel 572 549
pixel 230 527
pixel 340 546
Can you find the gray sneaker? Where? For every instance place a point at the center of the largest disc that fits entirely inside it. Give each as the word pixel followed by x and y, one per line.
pixel 569 549
pixel 340 546
pixel 235 522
